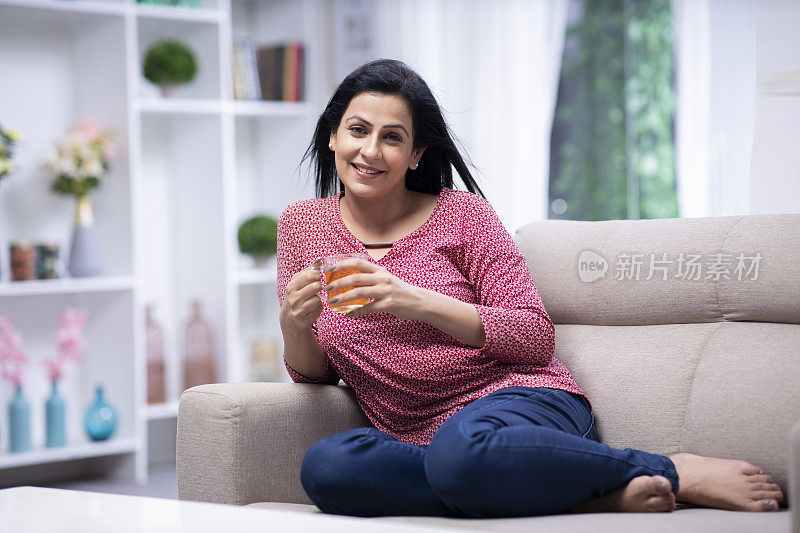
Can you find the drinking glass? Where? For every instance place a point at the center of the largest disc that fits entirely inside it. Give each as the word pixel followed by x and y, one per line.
pixel 328 262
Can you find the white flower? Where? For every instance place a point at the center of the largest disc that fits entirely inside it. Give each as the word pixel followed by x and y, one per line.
pixel 66 166
pixel 86 152
pixel 94 168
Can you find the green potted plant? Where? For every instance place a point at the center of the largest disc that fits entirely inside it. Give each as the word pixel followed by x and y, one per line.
pixel 169 63
pixel 258 237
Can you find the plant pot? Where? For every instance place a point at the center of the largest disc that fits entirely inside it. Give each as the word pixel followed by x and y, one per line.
pixel 169 91
pixel 84 255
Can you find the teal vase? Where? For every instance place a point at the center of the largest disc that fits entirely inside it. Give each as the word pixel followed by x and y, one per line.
pixel 55 418
pixel 101 419
pixel 19 423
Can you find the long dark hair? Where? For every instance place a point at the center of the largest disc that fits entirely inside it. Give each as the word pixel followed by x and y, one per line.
pixel 392 77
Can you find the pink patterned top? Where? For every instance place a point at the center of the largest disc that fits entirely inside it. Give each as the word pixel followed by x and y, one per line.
pixel 408 376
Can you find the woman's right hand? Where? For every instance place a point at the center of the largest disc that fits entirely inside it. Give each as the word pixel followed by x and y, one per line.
pixel 302 304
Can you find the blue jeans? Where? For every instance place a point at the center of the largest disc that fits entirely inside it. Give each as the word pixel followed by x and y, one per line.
pixel 519 451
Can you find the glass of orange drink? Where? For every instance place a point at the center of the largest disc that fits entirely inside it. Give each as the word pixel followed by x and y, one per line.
pixel 328 262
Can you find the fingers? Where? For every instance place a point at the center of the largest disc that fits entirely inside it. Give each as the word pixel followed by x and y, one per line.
pixel 353 263
pixel 308 293
pixel 351 280
pixel 303 278
pixel 356 293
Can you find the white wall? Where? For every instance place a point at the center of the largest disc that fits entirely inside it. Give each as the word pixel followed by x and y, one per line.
pixel 775 177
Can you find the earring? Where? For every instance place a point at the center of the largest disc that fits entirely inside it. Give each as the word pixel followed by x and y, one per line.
pixel 416 165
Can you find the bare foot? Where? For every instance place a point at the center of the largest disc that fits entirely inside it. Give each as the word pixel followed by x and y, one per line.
pixel 725 484
pixel 642 494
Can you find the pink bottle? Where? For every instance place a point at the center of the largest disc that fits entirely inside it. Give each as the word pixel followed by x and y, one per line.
pixel 156 373
pixel 198 365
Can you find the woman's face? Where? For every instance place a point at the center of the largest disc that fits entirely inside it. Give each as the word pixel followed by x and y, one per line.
pixel 373 145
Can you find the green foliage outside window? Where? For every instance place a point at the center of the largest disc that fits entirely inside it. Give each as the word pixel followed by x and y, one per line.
pixel 612 149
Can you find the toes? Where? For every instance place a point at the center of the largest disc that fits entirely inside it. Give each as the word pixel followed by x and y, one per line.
pixel 768 495
pixel 765 486
pixel 660 504
pixel 760 478
pixel 769 505
pixel 761 505
pixel 749 468
pixel 660 485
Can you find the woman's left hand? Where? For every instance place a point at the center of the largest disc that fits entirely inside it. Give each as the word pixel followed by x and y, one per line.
pixel 387 292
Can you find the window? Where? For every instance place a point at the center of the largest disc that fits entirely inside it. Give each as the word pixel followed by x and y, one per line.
pixel 612 150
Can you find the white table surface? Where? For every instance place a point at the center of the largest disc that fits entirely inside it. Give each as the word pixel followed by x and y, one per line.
pixel 46 510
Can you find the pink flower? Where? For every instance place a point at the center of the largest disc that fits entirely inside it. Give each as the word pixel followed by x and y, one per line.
pixel 12 359
pixel 88 129
pixel 69 341
pixel 55 368
pixel 73 318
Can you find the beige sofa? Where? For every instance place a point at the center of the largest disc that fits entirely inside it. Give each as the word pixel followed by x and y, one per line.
pixel 709 366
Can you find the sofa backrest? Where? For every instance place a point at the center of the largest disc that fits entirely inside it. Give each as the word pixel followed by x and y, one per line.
pixel 684 333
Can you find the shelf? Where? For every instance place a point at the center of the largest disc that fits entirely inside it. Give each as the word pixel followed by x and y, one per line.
pixel 66 286
pixel 161 411
pixel 257 276
pixel 74 6
pixel 253 108
pixel 180 106
pixel 190 167
pixel 189 14
pixel 78 451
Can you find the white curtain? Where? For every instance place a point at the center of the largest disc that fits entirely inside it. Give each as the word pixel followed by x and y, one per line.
pixel 715 53
pixel 494 67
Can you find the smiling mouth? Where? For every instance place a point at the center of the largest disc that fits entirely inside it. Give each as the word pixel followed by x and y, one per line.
pixel 366 172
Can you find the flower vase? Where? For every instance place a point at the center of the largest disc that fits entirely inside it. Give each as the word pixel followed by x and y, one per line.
pixel 101 419
pixel 84 254
pixel 19 430
pixel 56 419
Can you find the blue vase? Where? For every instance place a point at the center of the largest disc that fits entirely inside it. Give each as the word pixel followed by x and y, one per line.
pixel 56 419
pixel 101 419
pixel 19 426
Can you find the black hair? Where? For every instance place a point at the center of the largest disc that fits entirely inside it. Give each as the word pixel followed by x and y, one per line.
pixel 392 77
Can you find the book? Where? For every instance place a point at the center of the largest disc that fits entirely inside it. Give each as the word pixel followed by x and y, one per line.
pixel 268 72
pixel 250 66
pixel 238 81
pixel 281 71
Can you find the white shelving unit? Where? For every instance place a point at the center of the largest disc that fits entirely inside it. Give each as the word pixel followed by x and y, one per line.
pixel 190 170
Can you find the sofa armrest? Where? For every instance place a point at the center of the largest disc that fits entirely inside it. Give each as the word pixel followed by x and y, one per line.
pixel 794 477
pixel 240 443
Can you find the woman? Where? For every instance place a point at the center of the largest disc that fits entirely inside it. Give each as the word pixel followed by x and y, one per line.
pixel 452 359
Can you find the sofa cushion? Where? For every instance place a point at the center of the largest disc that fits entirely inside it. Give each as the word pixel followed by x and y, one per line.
pixel 725 389
pixel 554 248
pixel 686 520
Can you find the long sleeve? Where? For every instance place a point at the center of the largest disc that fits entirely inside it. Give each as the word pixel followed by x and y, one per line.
pixel 291 260
pixel 408 376
pixel 518 328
